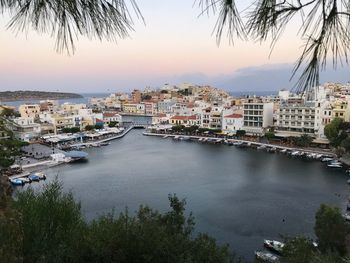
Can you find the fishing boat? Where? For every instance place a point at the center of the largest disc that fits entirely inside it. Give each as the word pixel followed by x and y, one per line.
pixel 25 180
pixel 273 245
pixel 266 256
pixel 283 151
pixel 16 182
pixel 41 175
pixel 34 177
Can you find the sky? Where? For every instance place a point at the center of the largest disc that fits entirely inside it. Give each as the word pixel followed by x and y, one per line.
pixel 173 46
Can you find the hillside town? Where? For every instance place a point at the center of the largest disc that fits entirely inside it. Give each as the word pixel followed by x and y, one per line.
pixel 286 114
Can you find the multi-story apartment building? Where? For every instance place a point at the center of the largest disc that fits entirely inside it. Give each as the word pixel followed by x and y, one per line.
pixel 341 109
pixel 29 110
pixel 211 117
pixel 25 129
pixel 257 116
pixel 72 109
pixel 296 119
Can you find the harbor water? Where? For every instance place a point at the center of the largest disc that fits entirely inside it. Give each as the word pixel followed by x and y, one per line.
pixel 239 196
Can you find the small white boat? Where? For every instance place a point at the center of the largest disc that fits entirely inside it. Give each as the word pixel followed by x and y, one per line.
pixel 335 165
pixel 261 147
pixel 295 153
pixel 346 216
pixel 283 150
pixel 319 156
pixel 177 137
pixel 327 159
pixel 266 256
pixel 275 246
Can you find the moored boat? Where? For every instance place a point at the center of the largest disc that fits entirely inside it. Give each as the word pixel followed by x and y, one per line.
pixel 327 159
pixel 266 256
pixel 335 165
pixel 16 182
pixel 25 180
pixel 273 245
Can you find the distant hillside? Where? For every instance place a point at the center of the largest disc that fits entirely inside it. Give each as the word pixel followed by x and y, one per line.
pixel 36 95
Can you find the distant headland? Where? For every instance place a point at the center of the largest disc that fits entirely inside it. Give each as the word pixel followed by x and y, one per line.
pixel 36 95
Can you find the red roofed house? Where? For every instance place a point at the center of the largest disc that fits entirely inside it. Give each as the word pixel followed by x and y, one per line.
pixel 160 118
pixel 109 117
pixel 232 123
pixel 185 120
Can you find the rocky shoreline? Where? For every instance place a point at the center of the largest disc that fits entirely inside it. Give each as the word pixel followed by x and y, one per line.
pixel 6 96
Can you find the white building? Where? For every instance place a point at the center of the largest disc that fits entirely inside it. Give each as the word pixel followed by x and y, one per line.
pixel 232 123
pixel 25 129
pixel 257 116
pixel 296 119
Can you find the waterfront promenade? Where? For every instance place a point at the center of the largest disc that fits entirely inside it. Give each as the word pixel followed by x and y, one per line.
pixel 251 143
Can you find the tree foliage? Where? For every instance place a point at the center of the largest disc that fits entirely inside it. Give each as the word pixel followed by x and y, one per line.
pixel 337 132
pixel 9 149
pixel 71 130
pixel 66 20
pixel 89 127
pixel 331 230
pixel 51 228
pixel 298 250
pixel 303 141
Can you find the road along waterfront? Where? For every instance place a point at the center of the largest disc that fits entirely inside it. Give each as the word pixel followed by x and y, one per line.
pixel 239 196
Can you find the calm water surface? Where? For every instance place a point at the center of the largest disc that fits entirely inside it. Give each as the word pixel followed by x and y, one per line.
pixel 239 196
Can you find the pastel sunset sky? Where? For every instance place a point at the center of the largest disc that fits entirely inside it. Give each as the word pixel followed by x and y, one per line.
pixel 174 46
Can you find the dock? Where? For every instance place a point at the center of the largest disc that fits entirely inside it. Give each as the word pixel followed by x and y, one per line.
pixel 250 143
pixel 105 140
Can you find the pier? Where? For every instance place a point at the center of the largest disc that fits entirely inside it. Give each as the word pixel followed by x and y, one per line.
pixel 108 139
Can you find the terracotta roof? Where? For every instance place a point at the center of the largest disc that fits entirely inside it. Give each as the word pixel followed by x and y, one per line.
pixel 109 114
pixel 161 115
pixel 178 117
pixel 99 120
pixel 234 116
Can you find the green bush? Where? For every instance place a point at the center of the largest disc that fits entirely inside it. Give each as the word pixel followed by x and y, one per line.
pixel 53 230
